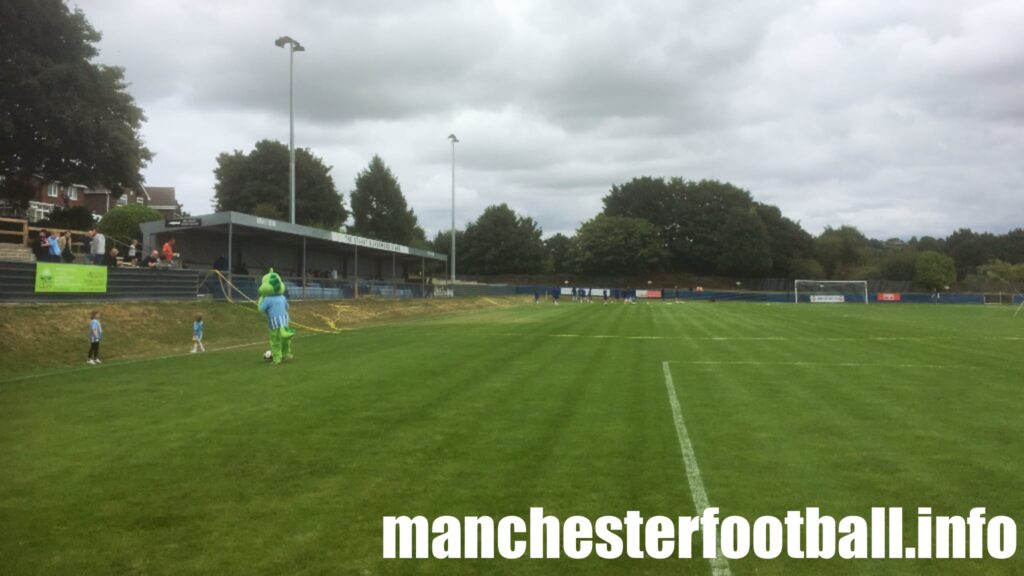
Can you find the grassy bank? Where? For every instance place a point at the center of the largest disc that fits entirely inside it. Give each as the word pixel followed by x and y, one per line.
pixel 41 337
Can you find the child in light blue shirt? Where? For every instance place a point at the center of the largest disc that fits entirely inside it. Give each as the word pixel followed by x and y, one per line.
pixel 95 336
pixel 197 334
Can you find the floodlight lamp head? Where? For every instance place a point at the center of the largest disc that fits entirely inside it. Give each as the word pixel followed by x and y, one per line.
pixel 289 41
pixel 453 138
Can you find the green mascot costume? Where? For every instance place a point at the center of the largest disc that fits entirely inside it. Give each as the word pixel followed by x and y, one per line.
pixel 274 304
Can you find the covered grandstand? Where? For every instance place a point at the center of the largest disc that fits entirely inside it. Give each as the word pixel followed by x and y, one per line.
pixel 315 263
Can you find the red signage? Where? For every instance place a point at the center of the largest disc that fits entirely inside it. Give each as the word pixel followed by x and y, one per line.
pixel 888 297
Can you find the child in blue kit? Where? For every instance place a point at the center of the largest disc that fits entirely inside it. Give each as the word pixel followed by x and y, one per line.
pixel 95 336
pixel 197 334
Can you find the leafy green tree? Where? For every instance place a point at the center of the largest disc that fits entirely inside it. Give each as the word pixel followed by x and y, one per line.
pixel 502 242
pixel 74 218
pixel 840 250
pixel 257 183
pixel 970 250
pixel 61 114
pixel 900 265
pixel 788 241
pixel 1004 272
pixel 122 223
pixel 688 216
pixel 615 245
pixel 379 209
pixel 647 198
pixel 934 271
pixel 1011 246
pixel 559 254
pixel 744 246
pixel 807 269
pixel 442 242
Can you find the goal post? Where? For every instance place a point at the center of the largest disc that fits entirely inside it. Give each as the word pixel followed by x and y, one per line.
pixel 830 291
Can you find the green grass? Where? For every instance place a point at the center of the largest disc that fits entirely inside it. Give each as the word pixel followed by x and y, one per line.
pixel 220 464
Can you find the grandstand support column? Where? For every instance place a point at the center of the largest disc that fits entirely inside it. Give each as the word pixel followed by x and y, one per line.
pixel 423 277
pixel 303 266
pixel 231 233
pixel 394 277
pixel 355 275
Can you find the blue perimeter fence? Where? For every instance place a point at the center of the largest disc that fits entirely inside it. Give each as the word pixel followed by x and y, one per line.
pixel 779 297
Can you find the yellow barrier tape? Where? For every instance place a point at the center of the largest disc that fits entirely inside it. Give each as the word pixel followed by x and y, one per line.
pixel 255 303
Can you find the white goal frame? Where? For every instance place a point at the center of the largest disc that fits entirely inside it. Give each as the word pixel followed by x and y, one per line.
pixel 796 286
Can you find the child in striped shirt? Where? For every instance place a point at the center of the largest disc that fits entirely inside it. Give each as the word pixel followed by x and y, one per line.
pixel 95 335
pixel 197 334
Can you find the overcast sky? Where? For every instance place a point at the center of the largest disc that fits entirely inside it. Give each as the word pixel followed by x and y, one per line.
pixel 899 117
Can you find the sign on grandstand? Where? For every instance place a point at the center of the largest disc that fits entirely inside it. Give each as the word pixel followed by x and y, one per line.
pixel 70 278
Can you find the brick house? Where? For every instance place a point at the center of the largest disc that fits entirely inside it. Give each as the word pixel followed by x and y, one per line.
pixel 48 195
pixel 163 200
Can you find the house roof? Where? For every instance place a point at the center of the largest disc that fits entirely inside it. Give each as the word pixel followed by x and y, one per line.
pixel 162 196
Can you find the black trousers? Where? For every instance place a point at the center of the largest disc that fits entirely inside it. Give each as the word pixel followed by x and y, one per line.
pixel 94 350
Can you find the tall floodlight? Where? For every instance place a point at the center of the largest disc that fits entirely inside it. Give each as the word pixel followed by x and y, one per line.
pixel 454 140
pixel 294 47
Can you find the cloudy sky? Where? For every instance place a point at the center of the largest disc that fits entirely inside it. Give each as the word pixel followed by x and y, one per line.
pixel 899 117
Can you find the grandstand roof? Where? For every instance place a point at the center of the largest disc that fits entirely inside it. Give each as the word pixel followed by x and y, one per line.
pixel 249 224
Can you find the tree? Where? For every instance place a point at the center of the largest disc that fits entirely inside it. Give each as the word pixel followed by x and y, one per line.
pixel 788 241
pixel 900 265
pixel 687 215
pixel 60 114
pixel 379 209
pixel 257 183
pixel 442 242
pixel 559 254
pixel 970 250
pixel 840 250
pixel 934 271
pixel 502 242
pixel 700 210
pixel 744 248
pixel 74 218
pixel 122 223
pixel 614 245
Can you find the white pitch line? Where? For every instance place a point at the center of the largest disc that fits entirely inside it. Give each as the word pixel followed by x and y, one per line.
pixel 813 364
pixel 719 565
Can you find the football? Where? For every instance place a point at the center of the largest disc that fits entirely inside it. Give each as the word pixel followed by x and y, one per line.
pixel 268 355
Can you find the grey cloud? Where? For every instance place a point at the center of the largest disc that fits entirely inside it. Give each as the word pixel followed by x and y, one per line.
pixel 900 118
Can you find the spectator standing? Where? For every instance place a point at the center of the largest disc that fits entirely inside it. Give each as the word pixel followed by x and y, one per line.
pixel 98 247
pixel 42 246
pixel 134 253
pixel 168 251
pixel 66 255
pixel 95 336
pixel 54 246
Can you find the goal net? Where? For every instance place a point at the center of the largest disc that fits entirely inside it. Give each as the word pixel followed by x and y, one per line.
pixel 830 291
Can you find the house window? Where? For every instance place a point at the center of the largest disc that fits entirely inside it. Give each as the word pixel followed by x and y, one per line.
pixel 139 200
pixel 72 193
pixel 122 201
pixel 53 190
pixel 38 210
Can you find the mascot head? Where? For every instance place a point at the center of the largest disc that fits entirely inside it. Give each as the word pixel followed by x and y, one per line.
pixel 272 284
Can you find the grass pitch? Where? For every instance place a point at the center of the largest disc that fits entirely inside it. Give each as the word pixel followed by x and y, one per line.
pixel 220 464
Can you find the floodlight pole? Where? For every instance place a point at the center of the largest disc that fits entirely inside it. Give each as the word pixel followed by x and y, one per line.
pixel 294 47
pixel 454 140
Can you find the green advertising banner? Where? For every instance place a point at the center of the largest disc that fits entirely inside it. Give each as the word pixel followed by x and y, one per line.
pixel 70 278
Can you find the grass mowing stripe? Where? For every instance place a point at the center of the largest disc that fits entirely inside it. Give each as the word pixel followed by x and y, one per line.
pixel 719 565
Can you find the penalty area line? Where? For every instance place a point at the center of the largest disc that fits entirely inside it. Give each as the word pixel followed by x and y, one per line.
pixel 719 565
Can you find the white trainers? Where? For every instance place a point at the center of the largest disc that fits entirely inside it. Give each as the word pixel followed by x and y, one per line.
pixel 90 361
pixel 193 351
pixel 98 361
